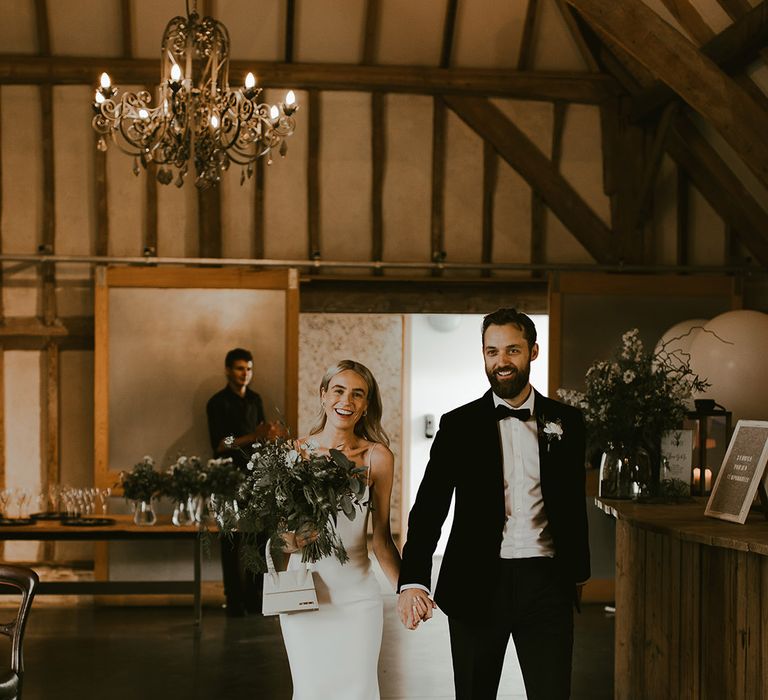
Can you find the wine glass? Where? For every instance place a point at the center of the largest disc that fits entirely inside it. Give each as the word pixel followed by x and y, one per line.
pixel 104 495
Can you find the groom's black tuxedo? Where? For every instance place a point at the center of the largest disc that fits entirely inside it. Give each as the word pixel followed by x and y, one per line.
pixel 466 458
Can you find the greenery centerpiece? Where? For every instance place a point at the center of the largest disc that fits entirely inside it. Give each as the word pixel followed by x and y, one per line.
pixel 141 485
pixel 629 401
pixel 181 483
pixel 221 479
pixel 294 488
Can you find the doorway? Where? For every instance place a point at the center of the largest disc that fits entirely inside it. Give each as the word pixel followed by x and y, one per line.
pixel 443 369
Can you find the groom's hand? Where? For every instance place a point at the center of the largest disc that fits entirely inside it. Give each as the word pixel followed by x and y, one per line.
pixel 414 606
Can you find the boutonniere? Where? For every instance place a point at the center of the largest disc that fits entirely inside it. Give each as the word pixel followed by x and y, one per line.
pixel 551 431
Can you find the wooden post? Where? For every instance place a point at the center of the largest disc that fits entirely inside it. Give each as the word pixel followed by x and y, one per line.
pixel 437 219
pixel 259 174
pixel 378 151
pixel 102 207
pixel 313 177
pixel 490 170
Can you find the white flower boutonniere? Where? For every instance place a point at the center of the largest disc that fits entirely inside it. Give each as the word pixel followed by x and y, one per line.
pixel 552 430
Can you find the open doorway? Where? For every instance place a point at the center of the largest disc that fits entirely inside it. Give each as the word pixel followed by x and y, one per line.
pixel 444 369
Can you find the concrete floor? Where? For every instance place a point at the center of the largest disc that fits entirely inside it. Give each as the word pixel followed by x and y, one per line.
pixel 89 652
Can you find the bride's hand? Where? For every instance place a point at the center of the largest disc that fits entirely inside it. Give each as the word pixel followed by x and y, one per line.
pixel 295 541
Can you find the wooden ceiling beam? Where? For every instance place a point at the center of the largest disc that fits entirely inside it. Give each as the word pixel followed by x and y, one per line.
pixel 449 33
pixel 693 76
pixel 126 28
pixel 41 25
pixel 525 55
pixel 690 19
pixel 581 42
pixel 735 8
pixel 370 37
pixel 539 172
pixel 290 31
pixel 732 49
pixel 722 189
pixel 532 85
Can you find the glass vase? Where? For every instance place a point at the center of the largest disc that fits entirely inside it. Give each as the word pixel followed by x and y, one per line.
pixel 625 472
pixel 144 513
pixel 184 512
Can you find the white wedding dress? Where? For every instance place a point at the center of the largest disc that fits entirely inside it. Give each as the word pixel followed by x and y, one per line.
pixel 334 651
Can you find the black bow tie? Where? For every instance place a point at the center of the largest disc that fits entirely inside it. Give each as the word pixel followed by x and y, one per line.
pixel 503 412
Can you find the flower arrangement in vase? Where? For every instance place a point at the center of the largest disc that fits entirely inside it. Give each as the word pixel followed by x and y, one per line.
pixel 628 402
pixel 141 485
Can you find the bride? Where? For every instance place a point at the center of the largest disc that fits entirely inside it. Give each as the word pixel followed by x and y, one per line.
pixel 333 652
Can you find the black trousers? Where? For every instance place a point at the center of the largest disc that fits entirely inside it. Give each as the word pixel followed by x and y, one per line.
pixel 243 589
pixel 529 602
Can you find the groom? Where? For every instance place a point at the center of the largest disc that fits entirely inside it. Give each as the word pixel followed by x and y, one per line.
pixel 518 553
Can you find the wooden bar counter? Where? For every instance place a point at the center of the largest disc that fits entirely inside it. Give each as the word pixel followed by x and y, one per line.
pixel 691 603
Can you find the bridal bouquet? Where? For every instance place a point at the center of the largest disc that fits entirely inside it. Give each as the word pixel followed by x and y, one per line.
pixel 290 488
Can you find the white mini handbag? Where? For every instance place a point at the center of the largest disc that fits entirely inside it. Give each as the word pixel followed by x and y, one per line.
pixel 287 591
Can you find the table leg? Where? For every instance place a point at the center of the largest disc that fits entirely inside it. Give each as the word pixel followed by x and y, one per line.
pixel 198 602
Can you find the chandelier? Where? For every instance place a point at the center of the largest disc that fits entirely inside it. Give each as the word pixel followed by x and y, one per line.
pixel 196 115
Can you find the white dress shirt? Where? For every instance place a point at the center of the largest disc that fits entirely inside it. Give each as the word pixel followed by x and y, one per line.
pixel 526 532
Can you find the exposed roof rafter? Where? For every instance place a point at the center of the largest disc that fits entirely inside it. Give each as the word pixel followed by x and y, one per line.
pixel 539 172
pixel 695 77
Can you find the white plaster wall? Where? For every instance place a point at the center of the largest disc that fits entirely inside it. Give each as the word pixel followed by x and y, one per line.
pixel 23 465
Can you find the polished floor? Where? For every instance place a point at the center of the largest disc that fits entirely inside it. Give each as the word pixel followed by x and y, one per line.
pixel 89 652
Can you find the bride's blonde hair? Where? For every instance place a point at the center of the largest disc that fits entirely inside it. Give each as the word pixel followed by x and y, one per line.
pixel 369 426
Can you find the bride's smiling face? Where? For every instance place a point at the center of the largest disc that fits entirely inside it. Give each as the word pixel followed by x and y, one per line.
pixel 346 399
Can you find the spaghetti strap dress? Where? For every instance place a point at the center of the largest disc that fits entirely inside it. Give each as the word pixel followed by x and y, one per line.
pixel 334 651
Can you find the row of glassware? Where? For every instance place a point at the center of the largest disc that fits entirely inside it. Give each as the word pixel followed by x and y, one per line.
pixel 60 499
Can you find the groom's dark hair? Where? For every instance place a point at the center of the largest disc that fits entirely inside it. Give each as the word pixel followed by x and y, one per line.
pixel 504 317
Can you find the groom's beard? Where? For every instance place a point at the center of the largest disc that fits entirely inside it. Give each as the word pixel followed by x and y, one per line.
pixel 510 387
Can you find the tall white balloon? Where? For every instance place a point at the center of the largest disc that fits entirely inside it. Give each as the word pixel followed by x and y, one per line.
pixel 731 352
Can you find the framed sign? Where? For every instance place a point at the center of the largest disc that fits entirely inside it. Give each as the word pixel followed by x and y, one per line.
pixel 742 473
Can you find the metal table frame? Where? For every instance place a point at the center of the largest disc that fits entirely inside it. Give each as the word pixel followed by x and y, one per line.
pixel 123 529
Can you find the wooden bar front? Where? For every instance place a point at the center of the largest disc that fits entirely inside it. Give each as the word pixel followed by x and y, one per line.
pixel 691 603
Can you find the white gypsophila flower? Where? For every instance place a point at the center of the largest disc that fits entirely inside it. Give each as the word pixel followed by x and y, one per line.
pixel 629 376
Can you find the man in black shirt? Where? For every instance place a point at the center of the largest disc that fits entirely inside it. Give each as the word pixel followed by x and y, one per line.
pixel 237 412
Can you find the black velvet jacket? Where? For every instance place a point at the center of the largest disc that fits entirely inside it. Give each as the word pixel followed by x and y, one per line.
pixel 466 458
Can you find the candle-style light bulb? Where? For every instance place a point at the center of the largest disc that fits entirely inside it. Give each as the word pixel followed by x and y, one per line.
pixel 214 121
pixel 175 73
pixel 250 81
pixel 290 106
pixel 105 81
pixel 100 99
pixel 143 113
pixel 274 113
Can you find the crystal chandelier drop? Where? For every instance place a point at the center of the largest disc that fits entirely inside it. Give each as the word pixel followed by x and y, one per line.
pixel 196 115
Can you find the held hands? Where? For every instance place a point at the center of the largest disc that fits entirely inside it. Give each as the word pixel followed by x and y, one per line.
pixel 414 606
